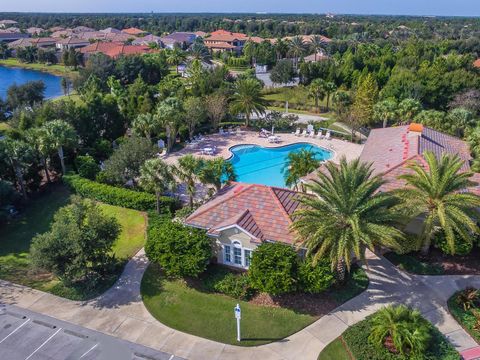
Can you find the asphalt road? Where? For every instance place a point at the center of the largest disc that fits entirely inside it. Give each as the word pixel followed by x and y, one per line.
pixel 26 335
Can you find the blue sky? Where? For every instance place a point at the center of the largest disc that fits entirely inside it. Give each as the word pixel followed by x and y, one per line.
pixel 394 7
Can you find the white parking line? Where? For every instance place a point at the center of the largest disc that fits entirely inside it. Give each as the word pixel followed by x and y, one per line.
pixel 50 338
pixel 14 331
pixel 93 347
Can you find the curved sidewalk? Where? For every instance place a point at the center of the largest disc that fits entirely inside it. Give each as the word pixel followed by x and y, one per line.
pixel 120 312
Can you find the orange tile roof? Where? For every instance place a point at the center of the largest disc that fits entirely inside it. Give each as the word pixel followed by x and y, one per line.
pixel 476 63
pixel 219 45
pixel 262 211
pixel 133 31
pixel 115 49
pixel 222 32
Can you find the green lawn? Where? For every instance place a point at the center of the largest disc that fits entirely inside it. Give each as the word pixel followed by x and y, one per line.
pixel 210 316
pixel 36 219
pixel 335 351
pixel 57 69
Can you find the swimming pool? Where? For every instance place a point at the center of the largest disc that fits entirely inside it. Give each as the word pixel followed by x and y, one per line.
pixel 258 165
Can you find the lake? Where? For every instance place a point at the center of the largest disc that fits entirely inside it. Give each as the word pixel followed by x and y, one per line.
pixel 19 76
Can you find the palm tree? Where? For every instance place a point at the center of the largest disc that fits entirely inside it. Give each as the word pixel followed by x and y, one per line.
pixel 61 134
pixel 157 176
pixel 176 56
pixel 146 125
pixel 170 114
pixel 316 44
pixel 248 99
pixel 281 48
pixel 316 90
pixel 401 327
pixel 385 111
pixel 19 155
pixel 438 195
pixel 40 140
pixel 187 171
pixel 299 164
pixel 216 172
pixel 329 89
pixel 199 51
pixel 297 48
pixel 346 215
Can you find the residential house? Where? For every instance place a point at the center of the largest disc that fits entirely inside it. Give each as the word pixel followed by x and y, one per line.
pixel 43 42
pixel 7 23
pixel 82 29
pixel 110 30
pixel 114 49
pixel 62 33
pixel 7 36
pixel 56 28
pixel 222 40
pixel 476 63
pixel 134 31
pixel 71 43
pixel 147 40
pixel 319 56
pixel 182 39
pixel 201 34
pixel 243 216
pixel 35 30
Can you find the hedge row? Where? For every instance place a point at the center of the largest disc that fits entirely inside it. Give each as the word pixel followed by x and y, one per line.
pixel 117 196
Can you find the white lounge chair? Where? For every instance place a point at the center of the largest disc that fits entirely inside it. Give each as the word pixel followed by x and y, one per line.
pixel 320 134
pixel 312 134
pixel 297 133
pixel 221 132
pixel 328 135
pixel 306 133
pixel 238 130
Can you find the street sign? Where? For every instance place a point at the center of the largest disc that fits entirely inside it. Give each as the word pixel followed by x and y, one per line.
pixel 238 316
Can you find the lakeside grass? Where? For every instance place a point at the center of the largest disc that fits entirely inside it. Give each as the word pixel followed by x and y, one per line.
pixel 55 69
pixel 17 235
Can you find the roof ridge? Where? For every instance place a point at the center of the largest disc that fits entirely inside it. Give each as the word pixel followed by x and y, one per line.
pixel 277 200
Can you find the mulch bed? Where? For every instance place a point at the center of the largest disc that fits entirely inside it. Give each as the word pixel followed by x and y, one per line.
pixel 454 265
pixel 312 304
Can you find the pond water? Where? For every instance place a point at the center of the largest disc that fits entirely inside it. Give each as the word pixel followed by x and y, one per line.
pixel 10 76
pixel 258 165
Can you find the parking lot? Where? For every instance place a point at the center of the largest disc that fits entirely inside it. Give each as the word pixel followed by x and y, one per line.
pixel 25 335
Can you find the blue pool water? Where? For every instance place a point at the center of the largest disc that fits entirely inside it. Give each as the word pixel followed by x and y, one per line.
pixel 10 76
pixel 258 165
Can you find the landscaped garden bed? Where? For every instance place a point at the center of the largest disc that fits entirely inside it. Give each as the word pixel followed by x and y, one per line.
pixel 465 308
pixel 357 342
pixel 438 263
pixel 265 318
pixel 15 262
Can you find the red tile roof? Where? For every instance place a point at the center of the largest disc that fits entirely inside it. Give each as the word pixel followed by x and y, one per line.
pixel 222 32
pixel 390 150
pixel 115 49
pixel 219 45
pixel 262 211
pixel 133 31
pixel 476 63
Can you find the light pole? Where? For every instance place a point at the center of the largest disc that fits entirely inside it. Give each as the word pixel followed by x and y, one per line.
pixel 238 316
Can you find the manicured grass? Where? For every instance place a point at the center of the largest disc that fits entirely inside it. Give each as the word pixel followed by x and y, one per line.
pixel 36 219
pixel 132 237
pixel 413 265
pixel 464 317
pixel 335 351
pixel 56 69
pixel 211 316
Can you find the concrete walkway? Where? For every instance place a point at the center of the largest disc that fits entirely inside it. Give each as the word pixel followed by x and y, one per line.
pixel 121 313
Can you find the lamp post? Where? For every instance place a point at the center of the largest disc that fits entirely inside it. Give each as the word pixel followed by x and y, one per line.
pixel 238 316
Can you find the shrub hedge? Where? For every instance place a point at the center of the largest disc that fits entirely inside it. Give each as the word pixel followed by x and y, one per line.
pixel 116 196
pixel 356 338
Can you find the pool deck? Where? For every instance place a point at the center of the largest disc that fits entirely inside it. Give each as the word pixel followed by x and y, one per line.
pixel 224 142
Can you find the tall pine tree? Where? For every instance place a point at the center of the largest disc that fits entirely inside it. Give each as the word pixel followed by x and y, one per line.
pixel 365 98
